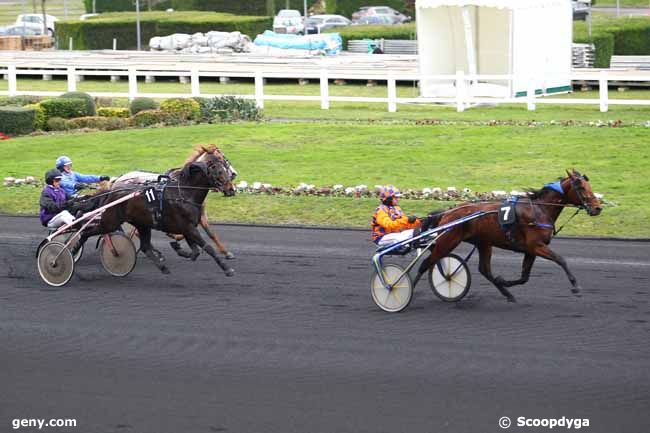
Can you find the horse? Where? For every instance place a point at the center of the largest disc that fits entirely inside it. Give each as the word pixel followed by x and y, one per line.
pixel 198 154
pixel 177 207
pixel 530 233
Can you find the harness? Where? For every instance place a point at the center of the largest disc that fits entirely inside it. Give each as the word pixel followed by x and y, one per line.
pixel 154 198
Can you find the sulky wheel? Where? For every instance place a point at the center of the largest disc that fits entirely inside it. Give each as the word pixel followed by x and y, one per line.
pixel 55 263
pixel 132 233
pixel 117 254
pixel 63 238
pixel 396 299
pixel 450 278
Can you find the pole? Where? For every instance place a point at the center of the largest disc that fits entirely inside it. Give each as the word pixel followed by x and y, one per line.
pixel 65 8
pixel 618 8
pixel 94 6
pixel 137 18
pixel 304 21
pixel 44 18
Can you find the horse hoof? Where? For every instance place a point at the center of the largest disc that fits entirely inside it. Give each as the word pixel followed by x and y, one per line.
pixel 511 299
pixel 165 270
pixel 575 290
pixel 229 255
pixel 229 272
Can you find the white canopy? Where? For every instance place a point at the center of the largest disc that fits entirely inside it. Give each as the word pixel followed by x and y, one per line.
pixel 529 40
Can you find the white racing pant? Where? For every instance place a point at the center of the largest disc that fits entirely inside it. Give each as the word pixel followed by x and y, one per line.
pixel 63 217
pixel 392 238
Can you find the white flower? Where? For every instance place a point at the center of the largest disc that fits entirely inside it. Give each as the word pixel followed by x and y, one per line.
pixel 467 190
pixel 9 181
pixel 349 190
pixel 20 181
pixel 242 185
pixel 499 194
pixel 361 188
pixel 436 190
pixel 266 185
pixel 337 187
pixel 598 195
pixel 515 192
pixel 257 185
pixel 426 191
pixel 451 189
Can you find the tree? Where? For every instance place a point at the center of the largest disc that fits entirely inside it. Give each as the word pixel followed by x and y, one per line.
pixel 44 17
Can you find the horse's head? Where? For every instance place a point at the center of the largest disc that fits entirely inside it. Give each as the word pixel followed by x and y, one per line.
pixel 220 172
pixel 579 192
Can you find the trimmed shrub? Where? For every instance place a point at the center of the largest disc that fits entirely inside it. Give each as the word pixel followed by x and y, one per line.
pixel 66 108
pixel 40 121
pixel 98 33
pixel 149 118
pixel 182 109
pixel 113 112
pixel 227 108
pixel 19 101
pixel 16 120
pixel 91 110
pixel 57 124
pixel 98 122
pixel 403 31
pixel 141 104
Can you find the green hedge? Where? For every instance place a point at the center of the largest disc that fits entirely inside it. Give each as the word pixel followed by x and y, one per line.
pixel 622 36
pixel 16 120
pixel 110 5
pixel 402 31
pixel 98 32
pixel 66 108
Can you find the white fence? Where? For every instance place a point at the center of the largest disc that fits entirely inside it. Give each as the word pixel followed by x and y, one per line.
pixel 461 100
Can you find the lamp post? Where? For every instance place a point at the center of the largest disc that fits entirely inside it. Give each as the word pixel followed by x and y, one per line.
pixel 137 22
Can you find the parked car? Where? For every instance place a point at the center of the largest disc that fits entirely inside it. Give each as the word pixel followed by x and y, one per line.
pixel 395 16
pixel 375 20
pixel 35 20
pixel 289 21
pixel 580 10
pixel 21 30
pixel 320 23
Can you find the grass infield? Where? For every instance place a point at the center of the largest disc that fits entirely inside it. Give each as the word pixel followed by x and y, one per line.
pixel 482 158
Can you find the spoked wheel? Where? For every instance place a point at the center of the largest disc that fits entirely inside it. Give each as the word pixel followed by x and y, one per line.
pixel 396 299
pixel 63 238
pixel 132 233
pixel 450 278
pixel 117 254
pixel 55 263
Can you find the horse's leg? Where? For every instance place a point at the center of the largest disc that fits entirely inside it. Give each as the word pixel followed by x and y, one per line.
pixel 206 227
pixel 485 268
pixel 547 253
pixel 444 245
pixel 154 255
pixel 193 237
pixel 176 246
pixel 526 266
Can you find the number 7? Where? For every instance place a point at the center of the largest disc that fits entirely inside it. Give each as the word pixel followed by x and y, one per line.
pixel 506 212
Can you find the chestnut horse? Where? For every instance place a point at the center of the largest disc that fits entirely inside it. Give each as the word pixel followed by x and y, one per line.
pixel 530 234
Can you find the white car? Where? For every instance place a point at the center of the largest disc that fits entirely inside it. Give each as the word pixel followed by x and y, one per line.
pixel 36 20
pixel 289 21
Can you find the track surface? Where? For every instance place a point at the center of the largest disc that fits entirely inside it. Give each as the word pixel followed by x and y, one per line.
pixel 293 342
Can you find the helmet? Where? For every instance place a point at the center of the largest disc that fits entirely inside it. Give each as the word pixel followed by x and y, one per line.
pixel 61 161
pixel 388 191
pixel 50 175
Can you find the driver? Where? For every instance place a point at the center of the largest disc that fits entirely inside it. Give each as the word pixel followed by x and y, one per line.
pixel 389 224
pixel 53 211
pixel 72 181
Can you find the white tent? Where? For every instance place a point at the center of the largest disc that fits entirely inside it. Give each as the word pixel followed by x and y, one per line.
pixel 529 39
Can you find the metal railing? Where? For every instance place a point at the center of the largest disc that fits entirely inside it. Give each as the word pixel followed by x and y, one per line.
pixel 461 81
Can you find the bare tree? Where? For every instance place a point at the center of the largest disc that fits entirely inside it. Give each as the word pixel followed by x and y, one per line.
pixel 44 17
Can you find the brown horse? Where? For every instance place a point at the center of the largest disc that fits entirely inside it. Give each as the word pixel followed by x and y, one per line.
pixel 199 153
pixel 530 233
pixel 174 208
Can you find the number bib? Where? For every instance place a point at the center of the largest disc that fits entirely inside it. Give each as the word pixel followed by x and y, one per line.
pixel 507 213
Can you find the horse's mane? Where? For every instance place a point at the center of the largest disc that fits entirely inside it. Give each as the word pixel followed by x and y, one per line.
pixel 535 193
pixel 199 151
